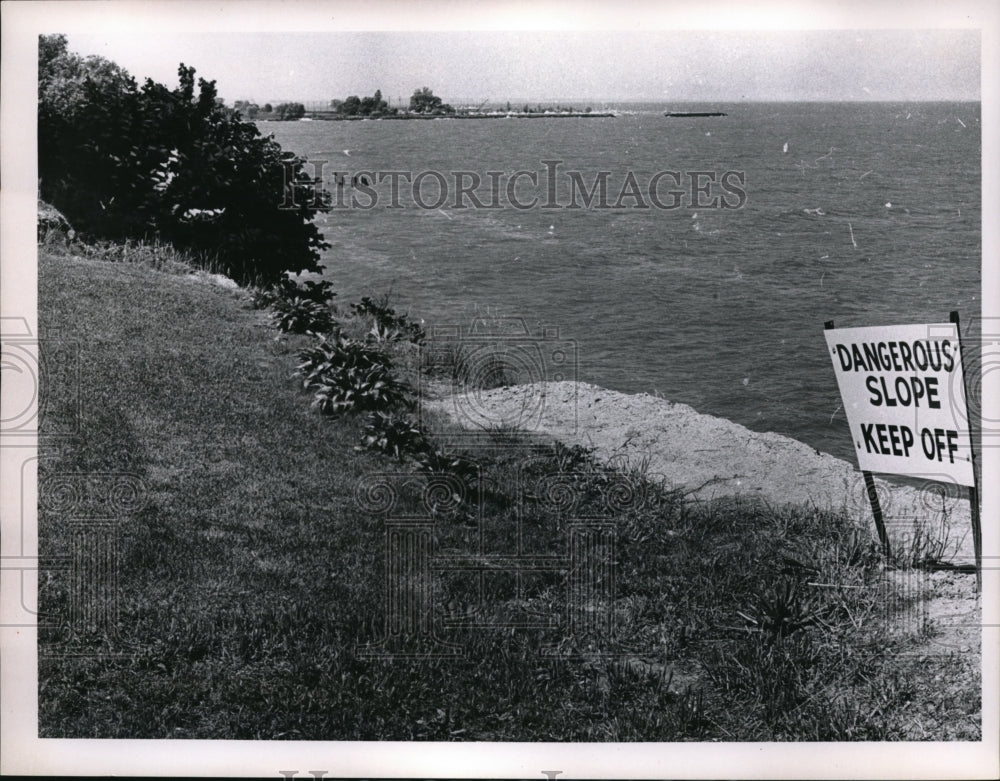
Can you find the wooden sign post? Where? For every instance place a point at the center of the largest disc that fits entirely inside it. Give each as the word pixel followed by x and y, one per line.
pixel 872 494
pixel 977 529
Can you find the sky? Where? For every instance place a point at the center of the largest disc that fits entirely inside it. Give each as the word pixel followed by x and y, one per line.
pixel 612 66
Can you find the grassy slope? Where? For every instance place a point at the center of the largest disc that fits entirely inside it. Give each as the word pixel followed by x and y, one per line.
pixel 249 576
pixel 248 543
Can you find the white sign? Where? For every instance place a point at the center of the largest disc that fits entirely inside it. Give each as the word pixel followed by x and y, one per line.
pixel 904 395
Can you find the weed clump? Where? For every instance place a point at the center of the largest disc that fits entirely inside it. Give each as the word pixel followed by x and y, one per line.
pixel 387 325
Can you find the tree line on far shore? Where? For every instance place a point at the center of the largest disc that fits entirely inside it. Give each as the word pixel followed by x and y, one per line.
pixel 283 111
pixel 423 101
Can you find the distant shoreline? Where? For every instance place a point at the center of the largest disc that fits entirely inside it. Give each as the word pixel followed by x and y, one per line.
pixel 316 117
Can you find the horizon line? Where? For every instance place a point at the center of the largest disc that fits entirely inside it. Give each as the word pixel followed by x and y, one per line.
pixel 534 102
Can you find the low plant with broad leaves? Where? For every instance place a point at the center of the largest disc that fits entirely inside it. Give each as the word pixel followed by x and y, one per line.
pixel 321 292
pixel 382 333
pixel 289 289
pixel 345 375
pixel 435 461
pixel 394 434
pixel 301 315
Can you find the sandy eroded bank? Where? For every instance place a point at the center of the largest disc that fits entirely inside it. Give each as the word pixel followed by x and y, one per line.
pixel 708 456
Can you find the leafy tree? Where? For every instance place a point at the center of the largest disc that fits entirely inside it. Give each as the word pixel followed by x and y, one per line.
pixel 423 101
pixel 246 108
pixel 228 186
pixel 290 111
pixel 173 164
pixel 351 106
pixel 89 166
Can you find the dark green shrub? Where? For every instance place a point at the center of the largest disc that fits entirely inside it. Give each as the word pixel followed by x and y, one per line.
pixel 174 165
pixel 346 375
pixel 300 316
pixel 289 289
pixel 321 292
pixel 393 434
pixel 262 297
pixel 435 461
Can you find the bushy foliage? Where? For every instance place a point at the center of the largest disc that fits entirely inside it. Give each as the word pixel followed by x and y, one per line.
pixel 435 461
pixel 394 434
pixel 122 162
pixel 247 108
pixel 321 292
pixel 287 288
pixel 262 297
pixel 301 315
pixel 424 101
pixel 387 326
pixel 289 112
pixel 354 106
pixel 345 375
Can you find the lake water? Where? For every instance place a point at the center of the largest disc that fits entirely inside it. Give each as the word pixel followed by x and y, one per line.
pixel 870 215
